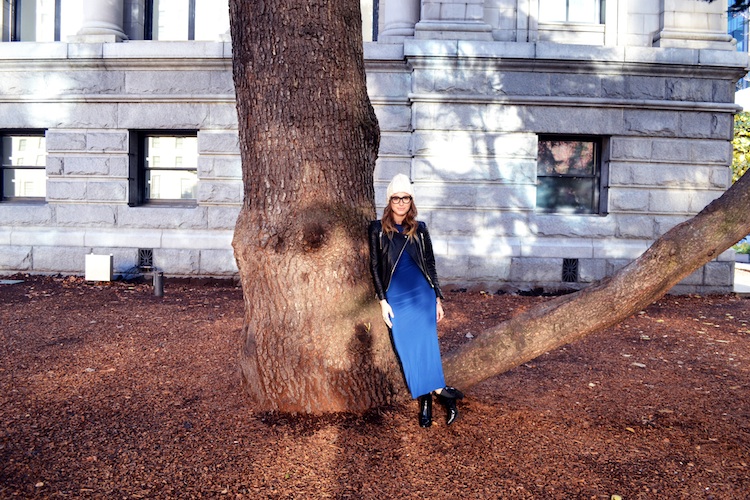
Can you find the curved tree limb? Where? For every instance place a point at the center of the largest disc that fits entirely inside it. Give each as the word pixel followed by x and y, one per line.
pixel 563 320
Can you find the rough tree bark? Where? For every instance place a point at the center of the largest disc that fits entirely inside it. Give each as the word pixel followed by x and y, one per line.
pixel 308 141
pixel 563 320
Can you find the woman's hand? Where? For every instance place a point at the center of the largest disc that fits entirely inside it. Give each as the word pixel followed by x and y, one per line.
pixel 387 312
pixel 440 312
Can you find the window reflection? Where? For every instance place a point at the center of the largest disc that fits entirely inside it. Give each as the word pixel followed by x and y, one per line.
pixel 171 165
pixel 24 159
pixel 568 175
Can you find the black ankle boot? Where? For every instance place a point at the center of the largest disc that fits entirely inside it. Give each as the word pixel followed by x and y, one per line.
pixel 450 408
pixel 425 410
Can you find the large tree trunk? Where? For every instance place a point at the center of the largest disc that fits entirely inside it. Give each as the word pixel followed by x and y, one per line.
pixel 308 140
pixel 560 321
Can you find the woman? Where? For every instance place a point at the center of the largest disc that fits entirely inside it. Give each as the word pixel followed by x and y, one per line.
pixel 403 271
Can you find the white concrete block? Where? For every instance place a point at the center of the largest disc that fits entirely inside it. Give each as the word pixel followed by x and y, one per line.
pixel 98 267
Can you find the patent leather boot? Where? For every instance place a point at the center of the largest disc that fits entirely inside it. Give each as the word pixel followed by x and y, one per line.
pixel 450 408
pixel 425 410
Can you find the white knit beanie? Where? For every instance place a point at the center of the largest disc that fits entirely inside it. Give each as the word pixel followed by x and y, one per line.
pixel 399 184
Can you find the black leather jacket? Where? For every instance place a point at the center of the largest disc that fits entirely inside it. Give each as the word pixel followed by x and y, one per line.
pixel 385 253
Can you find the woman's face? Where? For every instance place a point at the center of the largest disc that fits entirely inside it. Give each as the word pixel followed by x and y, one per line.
pixel 400 203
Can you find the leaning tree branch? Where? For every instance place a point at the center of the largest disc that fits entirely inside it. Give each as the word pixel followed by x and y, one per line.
pixel 677 254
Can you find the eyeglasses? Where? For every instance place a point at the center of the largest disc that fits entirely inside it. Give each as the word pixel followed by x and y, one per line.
pixel 400 200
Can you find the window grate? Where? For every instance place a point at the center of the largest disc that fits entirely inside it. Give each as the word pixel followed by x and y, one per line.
pixel 145 258
pixel 570 271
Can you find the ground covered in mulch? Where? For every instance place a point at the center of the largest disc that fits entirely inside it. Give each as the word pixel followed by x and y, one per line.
pixel 107 391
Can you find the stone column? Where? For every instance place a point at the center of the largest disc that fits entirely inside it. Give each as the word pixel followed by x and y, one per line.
pixel 102 22
pixel 453 20
pixel 693 25
pixel 399 18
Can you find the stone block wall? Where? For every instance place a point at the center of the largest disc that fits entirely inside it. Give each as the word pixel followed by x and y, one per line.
pixel 89 105
pixel 461 118
pixel 473 149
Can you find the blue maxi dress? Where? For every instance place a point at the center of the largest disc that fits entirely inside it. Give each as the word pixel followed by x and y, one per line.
pixel 414 328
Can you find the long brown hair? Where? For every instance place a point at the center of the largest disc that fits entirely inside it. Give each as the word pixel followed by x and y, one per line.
pixel 409 223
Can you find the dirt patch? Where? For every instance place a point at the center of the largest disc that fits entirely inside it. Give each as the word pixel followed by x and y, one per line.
pixel 110 392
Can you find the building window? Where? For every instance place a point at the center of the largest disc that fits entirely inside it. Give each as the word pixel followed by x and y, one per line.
pixel 40 20
pixel 571 11
pixel 24 162
pixel 163 167
pixel 569 175
pixel 186 19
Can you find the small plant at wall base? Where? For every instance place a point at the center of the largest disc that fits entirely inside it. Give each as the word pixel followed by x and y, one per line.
pixel 740 145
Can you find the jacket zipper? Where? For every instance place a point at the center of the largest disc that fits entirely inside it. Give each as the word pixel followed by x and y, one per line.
pixel 427 274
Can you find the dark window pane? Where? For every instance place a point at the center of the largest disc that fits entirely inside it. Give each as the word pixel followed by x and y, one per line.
pixel 565 194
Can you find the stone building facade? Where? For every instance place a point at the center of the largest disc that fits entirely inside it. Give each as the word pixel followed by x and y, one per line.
pixel 549 142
